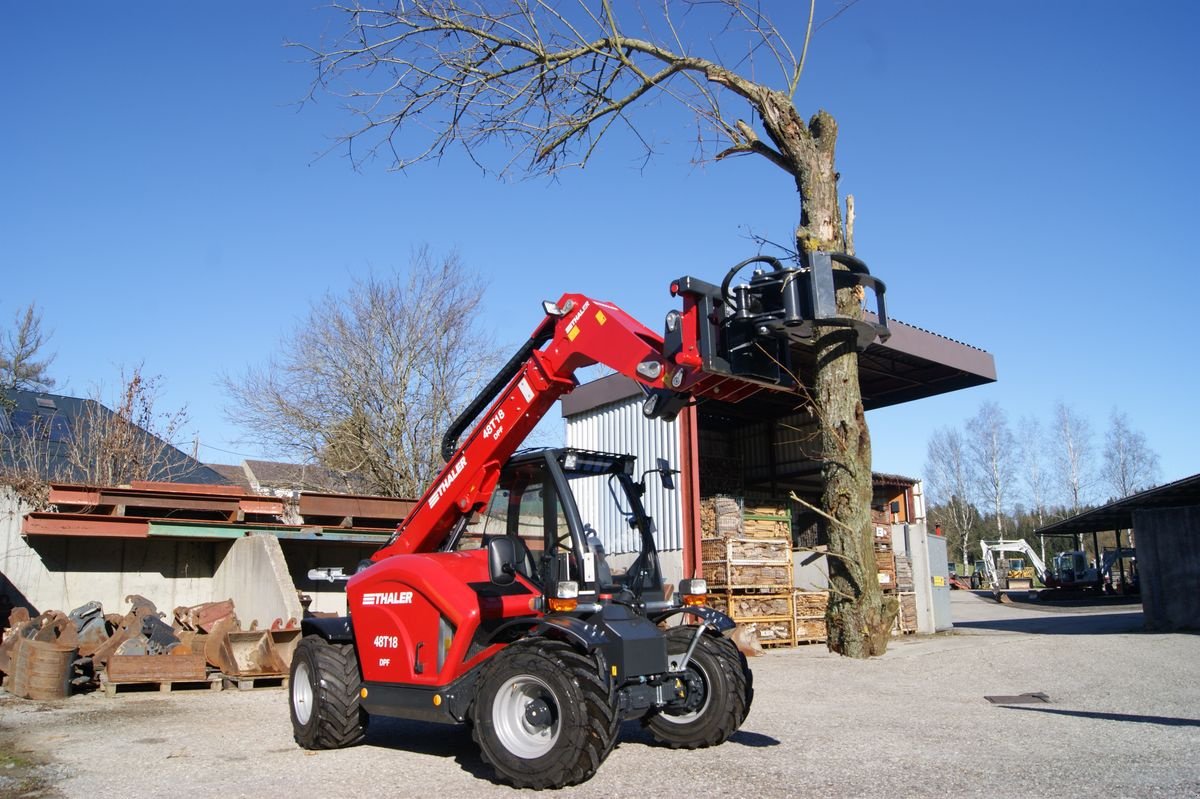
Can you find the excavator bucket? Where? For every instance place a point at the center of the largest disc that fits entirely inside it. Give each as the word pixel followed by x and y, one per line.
pixel 243 653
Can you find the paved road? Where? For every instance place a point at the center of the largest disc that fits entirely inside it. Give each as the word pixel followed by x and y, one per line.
pixel 1122 720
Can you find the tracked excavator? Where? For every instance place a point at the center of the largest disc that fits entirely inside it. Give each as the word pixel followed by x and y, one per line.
pixel 492 605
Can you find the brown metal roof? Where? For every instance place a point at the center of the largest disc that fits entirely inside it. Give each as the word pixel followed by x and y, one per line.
pixel 1119 515
pixel 913 364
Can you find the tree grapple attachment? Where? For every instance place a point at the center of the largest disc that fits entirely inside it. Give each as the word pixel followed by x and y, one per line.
pixel 745 330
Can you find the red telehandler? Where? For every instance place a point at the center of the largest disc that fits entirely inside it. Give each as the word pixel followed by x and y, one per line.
pixel 492 605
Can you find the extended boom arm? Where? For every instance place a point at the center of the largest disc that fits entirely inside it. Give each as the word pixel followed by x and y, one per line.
pixel 723 345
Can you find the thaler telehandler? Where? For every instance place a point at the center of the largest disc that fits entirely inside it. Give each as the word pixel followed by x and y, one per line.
pixel 493 605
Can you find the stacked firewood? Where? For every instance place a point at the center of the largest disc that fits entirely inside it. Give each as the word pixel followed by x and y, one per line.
pixel 810 615
pixel 885 559
pixel 746 556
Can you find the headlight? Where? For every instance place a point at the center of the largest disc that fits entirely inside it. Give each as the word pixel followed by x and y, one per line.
pixel 566 597
pixel 694 591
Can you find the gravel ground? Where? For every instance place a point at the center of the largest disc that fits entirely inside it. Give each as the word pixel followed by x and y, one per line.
pixel 1122 719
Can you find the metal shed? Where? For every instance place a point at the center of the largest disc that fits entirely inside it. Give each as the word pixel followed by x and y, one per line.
pixel 1165 529
pixel 759 448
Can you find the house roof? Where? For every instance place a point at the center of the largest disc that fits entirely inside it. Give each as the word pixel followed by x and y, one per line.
pixel 1118 515
pixel 234 473
pixel 302 477
pixel 53 425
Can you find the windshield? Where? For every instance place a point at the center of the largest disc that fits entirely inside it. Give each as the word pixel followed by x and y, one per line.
pixel 569 510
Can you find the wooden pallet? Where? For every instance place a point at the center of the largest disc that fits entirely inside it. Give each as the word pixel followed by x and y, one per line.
pixel 212 683
pixel 906 619
pixel 810 604
pixel 251 683
pixel 748 607
pixel 775 632
pixel 885 566
pixel 904 578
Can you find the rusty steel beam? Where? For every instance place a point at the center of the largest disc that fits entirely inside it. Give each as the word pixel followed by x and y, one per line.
pixel 84 496
pixel 188 488
pixel 345 506
pixel 82 524
pixel 120 501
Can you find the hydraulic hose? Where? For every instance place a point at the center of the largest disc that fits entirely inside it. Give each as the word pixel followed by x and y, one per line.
pixel 489 392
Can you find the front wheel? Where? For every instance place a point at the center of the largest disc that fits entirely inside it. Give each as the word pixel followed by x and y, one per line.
pixel 719 688
pixel 324 695
pixel 545 715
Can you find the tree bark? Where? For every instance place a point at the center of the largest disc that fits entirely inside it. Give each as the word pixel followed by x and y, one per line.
pixel 859 616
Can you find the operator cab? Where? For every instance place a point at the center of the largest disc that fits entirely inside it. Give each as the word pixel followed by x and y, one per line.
pixel 534 505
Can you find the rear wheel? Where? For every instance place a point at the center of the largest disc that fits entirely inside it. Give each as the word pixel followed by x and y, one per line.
pixel 720 690
pixel 545 715
pixel 324 695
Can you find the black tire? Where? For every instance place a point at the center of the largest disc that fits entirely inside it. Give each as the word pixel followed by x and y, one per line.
pixel 719 672
pixel 323 695
pixel 545 715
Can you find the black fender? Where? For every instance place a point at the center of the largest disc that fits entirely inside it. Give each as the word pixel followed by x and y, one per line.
pixel 336 630
pixel 713 618
pixel 585 635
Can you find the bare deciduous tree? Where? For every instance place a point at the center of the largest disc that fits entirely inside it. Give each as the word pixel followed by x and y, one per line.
pixel 370 380
pixel 1031 446
pixel 1129 463
pixel 991 451
pixel 19 351
pixel 133 441
pixel 1073 455
pixel 533 86
pixel 951 488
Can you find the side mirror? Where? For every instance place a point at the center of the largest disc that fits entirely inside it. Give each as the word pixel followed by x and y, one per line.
pixel 666 473
pixel 502 560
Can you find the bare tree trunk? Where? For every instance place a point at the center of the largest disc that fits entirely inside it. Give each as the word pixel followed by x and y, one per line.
pixel 859 616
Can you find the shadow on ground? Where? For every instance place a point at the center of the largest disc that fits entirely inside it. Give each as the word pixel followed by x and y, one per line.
pixel 426 738
pixel 1165 721
pixel 450 741
pixel 1063 624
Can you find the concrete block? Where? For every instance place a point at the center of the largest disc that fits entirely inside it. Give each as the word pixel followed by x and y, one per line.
pixel 254 574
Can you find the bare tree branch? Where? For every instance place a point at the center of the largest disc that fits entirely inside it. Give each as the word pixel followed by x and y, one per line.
pixel 543 82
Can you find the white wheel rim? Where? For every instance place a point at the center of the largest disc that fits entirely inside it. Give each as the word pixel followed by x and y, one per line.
pixel 509 717
pixel 302 693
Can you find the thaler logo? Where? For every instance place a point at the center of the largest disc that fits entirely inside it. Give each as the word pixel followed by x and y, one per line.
pixel 447 481
pixel 389 598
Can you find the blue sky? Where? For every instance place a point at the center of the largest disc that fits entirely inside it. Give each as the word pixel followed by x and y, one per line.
pixel 1024 174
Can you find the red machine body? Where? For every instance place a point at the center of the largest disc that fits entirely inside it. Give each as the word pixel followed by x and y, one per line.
pixel 398 605
pixel 493 602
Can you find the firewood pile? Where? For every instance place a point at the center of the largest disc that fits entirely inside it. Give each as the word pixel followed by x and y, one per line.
pixel 885 558
pixel 746 557
pixel 767 521
pixel 906 620
pixel 895 576
pixel 810 615
pixel 904 576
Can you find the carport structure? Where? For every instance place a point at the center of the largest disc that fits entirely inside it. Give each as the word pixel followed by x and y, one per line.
pixel 1165 524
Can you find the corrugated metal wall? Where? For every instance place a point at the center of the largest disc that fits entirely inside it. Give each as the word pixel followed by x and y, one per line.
pixel 620 427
